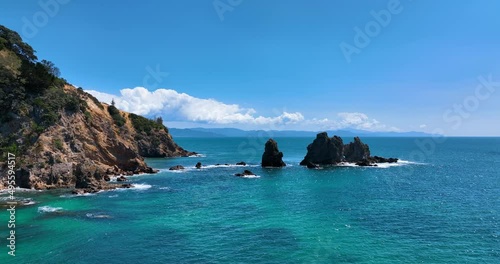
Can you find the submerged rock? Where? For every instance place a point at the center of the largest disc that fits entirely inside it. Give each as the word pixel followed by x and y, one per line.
pixel 365 163
pixel 377 159
pixel 198 165
pixel 78 191
pixel 272 157
pixel 177 167
pixel 121 179
pixel 241 163
pixel 245 173
pixel 311 165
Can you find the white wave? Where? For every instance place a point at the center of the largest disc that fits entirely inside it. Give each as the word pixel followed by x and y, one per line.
pixel 179 171
pixel 381 165
pixel 134 186
pixel 29 202
pixel 79 195
pixel 114 177
pixel 113 196
pixel 140 186
pixel 404 162
pixel 228 166
pixel 347 164
pixel 198 156
pixel 98 216
pixel 250 176
pixel 49 209
pixel 165 188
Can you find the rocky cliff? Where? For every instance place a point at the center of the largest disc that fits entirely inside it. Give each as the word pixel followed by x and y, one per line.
pixel 85 145
pixel 63 136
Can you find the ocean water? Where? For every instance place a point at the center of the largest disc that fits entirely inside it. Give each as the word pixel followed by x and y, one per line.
pixel 440 205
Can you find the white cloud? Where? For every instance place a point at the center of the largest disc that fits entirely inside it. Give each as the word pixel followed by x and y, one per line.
pixel 423 126
pixel 177 107
pixel 182 107
pixel 360 121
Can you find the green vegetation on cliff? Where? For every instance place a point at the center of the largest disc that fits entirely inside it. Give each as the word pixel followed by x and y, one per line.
pixel 142 124
pixel 32 95
pixel 62 136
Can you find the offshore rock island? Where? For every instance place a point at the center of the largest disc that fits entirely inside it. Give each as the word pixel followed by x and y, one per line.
pixel 64 137
pixel 332 151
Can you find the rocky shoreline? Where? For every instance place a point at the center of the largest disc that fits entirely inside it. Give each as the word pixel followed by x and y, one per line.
pixel 323 151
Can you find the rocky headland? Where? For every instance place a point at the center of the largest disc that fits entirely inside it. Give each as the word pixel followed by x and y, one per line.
pixel 63 137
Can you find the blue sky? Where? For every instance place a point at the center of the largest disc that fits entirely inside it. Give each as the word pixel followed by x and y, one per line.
pixel 431 66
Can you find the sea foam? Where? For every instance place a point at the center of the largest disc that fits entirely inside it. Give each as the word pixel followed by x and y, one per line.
pixel 49 209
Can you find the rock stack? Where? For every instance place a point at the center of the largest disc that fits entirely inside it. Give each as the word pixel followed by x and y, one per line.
pixel 272 157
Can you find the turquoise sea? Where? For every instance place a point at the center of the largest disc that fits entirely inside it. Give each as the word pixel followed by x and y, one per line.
pixel 440 205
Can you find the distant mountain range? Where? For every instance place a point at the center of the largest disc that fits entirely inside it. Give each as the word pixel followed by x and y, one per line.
pixel 234 132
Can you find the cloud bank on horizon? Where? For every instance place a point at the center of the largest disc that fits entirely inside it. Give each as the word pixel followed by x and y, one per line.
pixel 173 106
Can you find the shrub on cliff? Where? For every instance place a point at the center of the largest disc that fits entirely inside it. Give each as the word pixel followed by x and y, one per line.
pixel 115 114
pixel 142 124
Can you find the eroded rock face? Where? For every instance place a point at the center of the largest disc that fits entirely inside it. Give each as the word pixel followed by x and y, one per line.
pixel 272 157
pixel 324 150
pixel 356 151
pixel 85 146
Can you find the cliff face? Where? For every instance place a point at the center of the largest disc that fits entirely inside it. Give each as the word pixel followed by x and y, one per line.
pixel 84 146
pixel 62 136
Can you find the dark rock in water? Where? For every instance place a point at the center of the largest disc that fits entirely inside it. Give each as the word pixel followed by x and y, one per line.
pixel 198 165
pixel 107 178
pixel 245 173
pixel 121 179
pixel 377 159
pixel 324 150
pixel 356 151
pixel 177 167
pixel 365 163
pixel 272 157
pixel 149 170
pixel 241 163
pixel 331 151
pixel 126 186
pixel 78 191
pixel 311 165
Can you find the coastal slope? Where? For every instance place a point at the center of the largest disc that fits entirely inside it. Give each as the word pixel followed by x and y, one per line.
pixel 62 136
